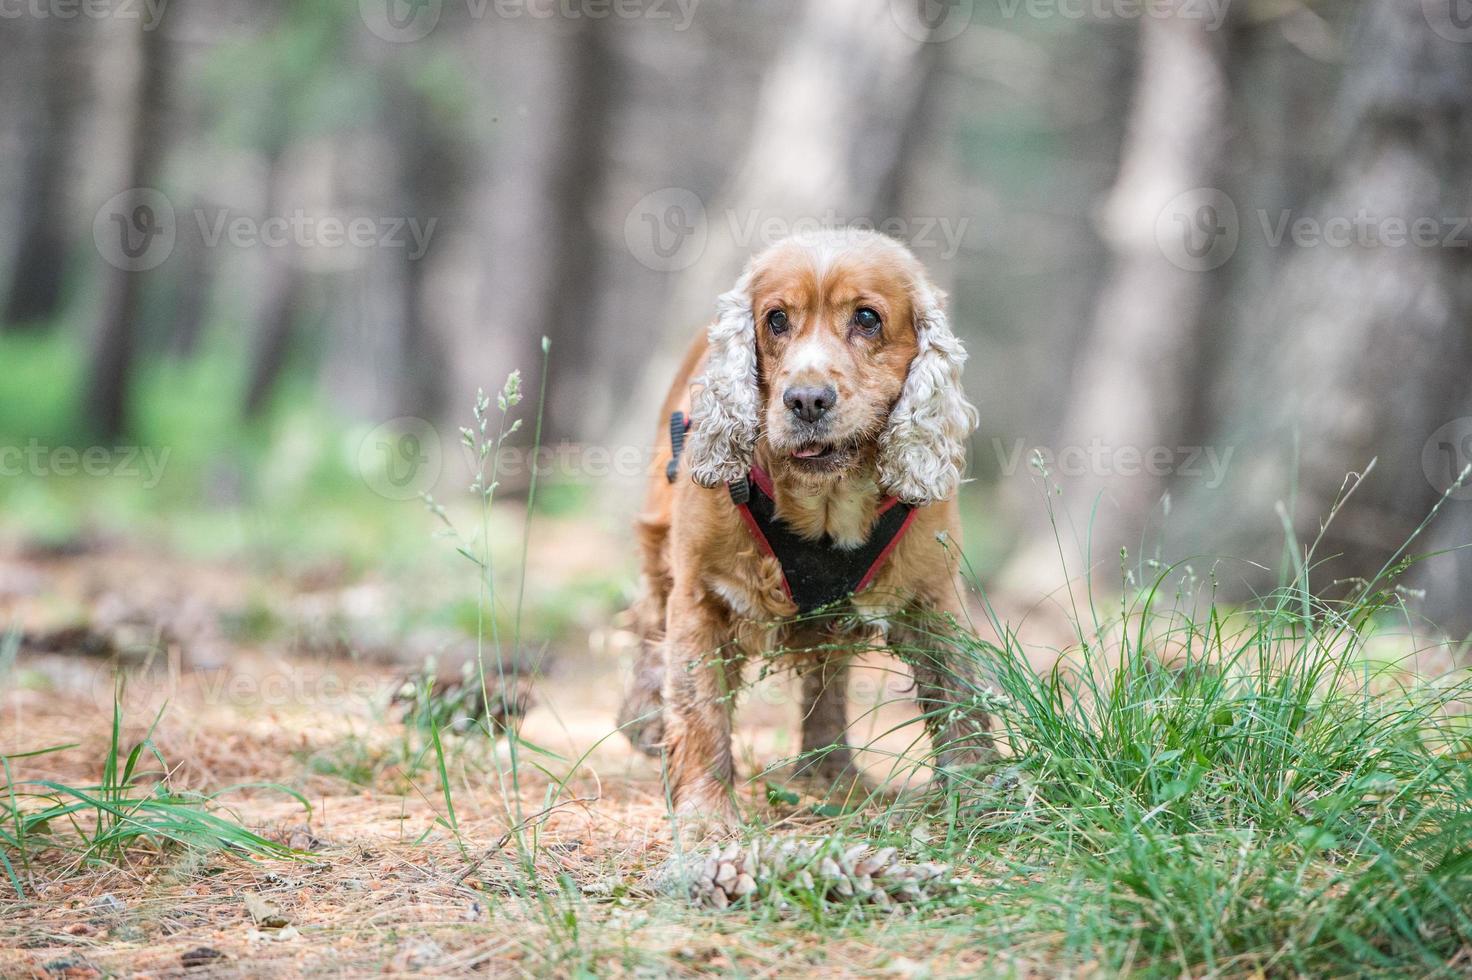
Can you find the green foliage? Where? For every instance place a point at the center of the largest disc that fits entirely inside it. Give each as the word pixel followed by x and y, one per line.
pixel 41 374
pixel 130 805
pixel 283 489
pixel 1256 800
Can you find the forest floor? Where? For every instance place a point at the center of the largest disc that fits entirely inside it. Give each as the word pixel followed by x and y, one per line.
pixel 380 882
pixel 398 851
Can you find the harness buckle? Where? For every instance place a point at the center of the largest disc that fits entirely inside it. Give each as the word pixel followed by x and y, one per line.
pixel 679 425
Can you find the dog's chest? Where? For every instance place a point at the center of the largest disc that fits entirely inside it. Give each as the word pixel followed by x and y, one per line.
pixel 813 571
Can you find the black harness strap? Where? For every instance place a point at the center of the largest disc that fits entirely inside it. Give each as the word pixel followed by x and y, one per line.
pixel 679 425
pixel 819 573
pixel 814 573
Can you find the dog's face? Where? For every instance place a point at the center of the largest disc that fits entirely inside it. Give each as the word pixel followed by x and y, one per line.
pixel 835 335
pixel 834 348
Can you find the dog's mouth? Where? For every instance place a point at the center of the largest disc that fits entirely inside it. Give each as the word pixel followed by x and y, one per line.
pixel 819 457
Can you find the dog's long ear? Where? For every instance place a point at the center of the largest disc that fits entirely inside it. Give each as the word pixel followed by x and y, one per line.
pixel 725 409
pixel 923 449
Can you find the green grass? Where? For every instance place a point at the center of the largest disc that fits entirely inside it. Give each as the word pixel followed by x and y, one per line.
pixel 132 805
pixel 1248 806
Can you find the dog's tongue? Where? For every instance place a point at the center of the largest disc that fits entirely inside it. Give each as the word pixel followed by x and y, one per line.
pixel 810 452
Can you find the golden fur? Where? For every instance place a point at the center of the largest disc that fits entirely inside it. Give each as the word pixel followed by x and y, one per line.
pixel 710 597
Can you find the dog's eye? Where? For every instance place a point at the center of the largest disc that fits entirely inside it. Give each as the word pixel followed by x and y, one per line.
pixel 866 321
pixel 777 322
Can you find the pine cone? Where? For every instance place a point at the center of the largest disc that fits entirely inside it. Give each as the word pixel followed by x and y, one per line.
pixel 445 699
pixel 772 870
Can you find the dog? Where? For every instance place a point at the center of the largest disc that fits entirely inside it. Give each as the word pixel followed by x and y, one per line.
pixel 808 501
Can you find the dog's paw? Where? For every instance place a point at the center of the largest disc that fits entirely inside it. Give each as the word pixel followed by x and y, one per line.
pixel 707 819
pixel 641 719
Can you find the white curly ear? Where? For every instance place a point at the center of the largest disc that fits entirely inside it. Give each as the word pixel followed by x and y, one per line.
pixel 725 409
pixel 922 451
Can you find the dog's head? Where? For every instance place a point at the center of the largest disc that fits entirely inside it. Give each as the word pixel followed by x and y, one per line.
pixel 834 348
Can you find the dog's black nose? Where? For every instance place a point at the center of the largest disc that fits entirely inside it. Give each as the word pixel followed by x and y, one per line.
pixel 810 402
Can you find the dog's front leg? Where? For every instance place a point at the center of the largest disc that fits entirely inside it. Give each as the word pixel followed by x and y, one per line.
pixel 825 750
pixel 949 690
pixel 703 671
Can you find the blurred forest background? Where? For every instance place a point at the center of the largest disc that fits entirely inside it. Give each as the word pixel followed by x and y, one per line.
pixel 1207 255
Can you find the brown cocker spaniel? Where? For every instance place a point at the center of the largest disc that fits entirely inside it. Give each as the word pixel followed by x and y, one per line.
pixel 813 503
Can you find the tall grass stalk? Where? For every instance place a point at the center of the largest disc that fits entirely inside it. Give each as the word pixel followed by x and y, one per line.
pixel 485 446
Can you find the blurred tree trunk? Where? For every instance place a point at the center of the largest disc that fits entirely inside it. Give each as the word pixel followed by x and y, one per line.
pixel 569 291
pixel 536 260
pixel 385 361
pixel 1140 373
pixel 193 288
pixel 1445 576
pixel 432 170
pixel 869 77
pixel 39 271
pixel 111 368
pixel 280 296
pixel 1370 344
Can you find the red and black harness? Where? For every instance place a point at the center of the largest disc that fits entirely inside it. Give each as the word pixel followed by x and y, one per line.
pixel 815 573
